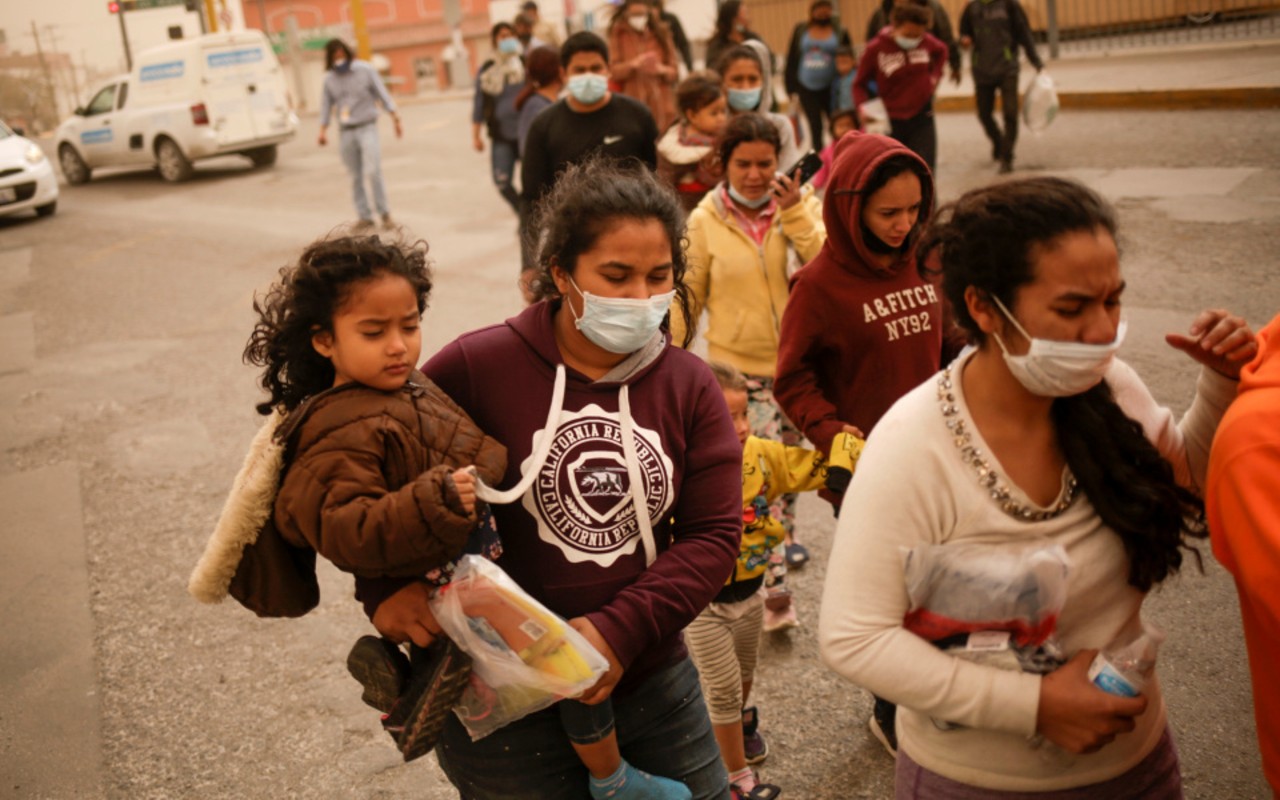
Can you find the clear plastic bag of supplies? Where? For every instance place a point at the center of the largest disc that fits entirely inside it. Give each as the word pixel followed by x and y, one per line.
pixel 875 118
pixel 1040 103
pixel 988 604
pixel 962 589
pixel 524 657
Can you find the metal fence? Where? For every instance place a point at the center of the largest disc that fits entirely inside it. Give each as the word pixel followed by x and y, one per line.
pixel 1068 26
pixel 1094 25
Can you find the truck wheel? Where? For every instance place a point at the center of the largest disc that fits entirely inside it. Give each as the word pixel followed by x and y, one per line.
pixel 47 209
pixel 73 167
pixel 262 156
pixel 173 165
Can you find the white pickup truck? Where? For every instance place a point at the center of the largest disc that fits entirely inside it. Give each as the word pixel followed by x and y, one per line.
pixel 196 98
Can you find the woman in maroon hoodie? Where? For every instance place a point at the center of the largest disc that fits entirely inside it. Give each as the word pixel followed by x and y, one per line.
pixel 601 415
pixel 862 327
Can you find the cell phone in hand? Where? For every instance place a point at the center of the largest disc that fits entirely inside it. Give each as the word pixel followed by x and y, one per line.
pixel 809 164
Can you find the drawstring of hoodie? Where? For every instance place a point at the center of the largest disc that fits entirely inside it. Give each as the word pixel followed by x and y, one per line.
pixel 542 450
pixel 633 472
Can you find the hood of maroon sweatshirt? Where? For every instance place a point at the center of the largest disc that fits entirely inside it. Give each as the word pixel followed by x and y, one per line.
pixel 536 328
pixel 857 156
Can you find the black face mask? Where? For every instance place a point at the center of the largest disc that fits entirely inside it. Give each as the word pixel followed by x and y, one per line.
pixel 877 245
pixel 822 22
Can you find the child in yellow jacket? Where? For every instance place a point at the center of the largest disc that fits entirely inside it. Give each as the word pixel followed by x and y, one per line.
pixel 725 638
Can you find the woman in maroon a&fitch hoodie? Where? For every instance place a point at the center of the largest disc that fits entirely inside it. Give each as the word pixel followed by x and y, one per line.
pixel 862 327
pixel 600 415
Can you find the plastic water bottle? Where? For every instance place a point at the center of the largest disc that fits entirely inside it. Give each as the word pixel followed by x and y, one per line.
pixel 1124 666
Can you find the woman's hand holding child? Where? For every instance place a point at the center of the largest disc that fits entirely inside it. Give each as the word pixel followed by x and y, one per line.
pixel 603 687
pixel 406 616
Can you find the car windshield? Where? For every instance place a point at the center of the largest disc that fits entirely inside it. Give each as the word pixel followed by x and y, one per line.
pixel 5 131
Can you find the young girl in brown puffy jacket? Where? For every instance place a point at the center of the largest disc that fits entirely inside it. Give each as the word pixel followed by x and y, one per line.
pixel 363 459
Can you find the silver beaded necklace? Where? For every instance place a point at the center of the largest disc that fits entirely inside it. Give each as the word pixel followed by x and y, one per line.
pixel 988 477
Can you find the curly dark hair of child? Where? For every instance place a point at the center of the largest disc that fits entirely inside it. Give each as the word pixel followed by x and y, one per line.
pixel 989 239
pixel 304 301
pixel 697 91
pixel 586 201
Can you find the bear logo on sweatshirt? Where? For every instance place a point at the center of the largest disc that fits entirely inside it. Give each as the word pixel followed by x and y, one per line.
pixel 582 498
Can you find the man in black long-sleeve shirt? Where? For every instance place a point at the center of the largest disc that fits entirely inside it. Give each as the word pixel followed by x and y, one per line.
pixel 590 119
pixel 995 29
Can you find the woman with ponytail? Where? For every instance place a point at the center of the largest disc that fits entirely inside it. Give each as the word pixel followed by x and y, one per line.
pixel 1037 436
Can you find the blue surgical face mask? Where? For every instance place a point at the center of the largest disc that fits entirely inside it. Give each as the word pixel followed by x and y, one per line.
pixel 510 45
pixel 342 66
pixel 742 201
pixel 744 99
pixel 908 42
pixel 618 324
pixel 587 88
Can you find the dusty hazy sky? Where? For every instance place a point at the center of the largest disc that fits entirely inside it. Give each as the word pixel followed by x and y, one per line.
pixel 85 27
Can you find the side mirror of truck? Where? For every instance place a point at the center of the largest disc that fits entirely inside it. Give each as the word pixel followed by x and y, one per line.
pixel 18 130
pixel 79 112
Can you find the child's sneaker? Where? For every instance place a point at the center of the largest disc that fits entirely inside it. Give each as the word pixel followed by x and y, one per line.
pixel 382 669
pixel 779 611
pixel 753 744
pixel 761 791
pixel 440 674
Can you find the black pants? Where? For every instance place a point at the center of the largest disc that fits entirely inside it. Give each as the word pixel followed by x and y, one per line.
pixel 919 134
pixel 985 96
pixel 817 107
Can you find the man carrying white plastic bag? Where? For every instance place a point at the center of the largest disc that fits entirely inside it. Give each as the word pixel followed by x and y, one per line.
pixel 993 31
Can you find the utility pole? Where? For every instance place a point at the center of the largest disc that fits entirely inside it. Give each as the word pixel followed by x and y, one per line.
pixel 50 97
pixel 363 50
pixel 124 37
pixel 262 16
pixel 212 12
pixel 51 32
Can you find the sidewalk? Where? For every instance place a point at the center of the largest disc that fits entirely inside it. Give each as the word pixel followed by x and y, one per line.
pixel 1242 74
pixel 1220 75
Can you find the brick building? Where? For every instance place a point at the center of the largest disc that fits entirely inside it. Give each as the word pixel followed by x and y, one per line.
pixel 411 35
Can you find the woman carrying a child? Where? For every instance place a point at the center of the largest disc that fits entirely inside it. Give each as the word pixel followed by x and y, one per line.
pixel 687 157
pixel 745 238
pixel 601 416
pixel 1037 437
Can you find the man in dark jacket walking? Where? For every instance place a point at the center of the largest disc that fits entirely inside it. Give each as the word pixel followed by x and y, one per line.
pixel 995 29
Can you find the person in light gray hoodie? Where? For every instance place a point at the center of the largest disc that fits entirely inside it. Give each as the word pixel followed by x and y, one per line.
pixel 353 90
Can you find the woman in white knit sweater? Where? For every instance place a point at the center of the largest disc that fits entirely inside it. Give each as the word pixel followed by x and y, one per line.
pixel 1038 436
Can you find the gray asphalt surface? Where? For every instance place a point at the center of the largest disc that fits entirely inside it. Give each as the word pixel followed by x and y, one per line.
pixel 125 411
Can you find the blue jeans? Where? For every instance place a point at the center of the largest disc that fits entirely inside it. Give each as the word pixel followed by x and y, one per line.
pixel 585 724
pixel 663 729
pixel 358 147
pixel 502 160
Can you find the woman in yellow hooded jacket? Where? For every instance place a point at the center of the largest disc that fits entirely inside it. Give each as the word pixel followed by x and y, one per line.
pixel 746 237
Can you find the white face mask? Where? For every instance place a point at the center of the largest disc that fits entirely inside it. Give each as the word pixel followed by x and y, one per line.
pixel 618 324
pixel 1059 369
pixel 639 21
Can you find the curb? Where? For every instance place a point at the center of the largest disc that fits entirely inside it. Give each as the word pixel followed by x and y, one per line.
pixel 1248 97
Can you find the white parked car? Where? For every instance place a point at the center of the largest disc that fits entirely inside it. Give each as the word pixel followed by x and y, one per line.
pixel 27 181
pixel 213 95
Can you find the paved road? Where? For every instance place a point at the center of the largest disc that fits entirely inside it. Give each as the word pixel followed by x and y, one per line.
pixel 124 412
